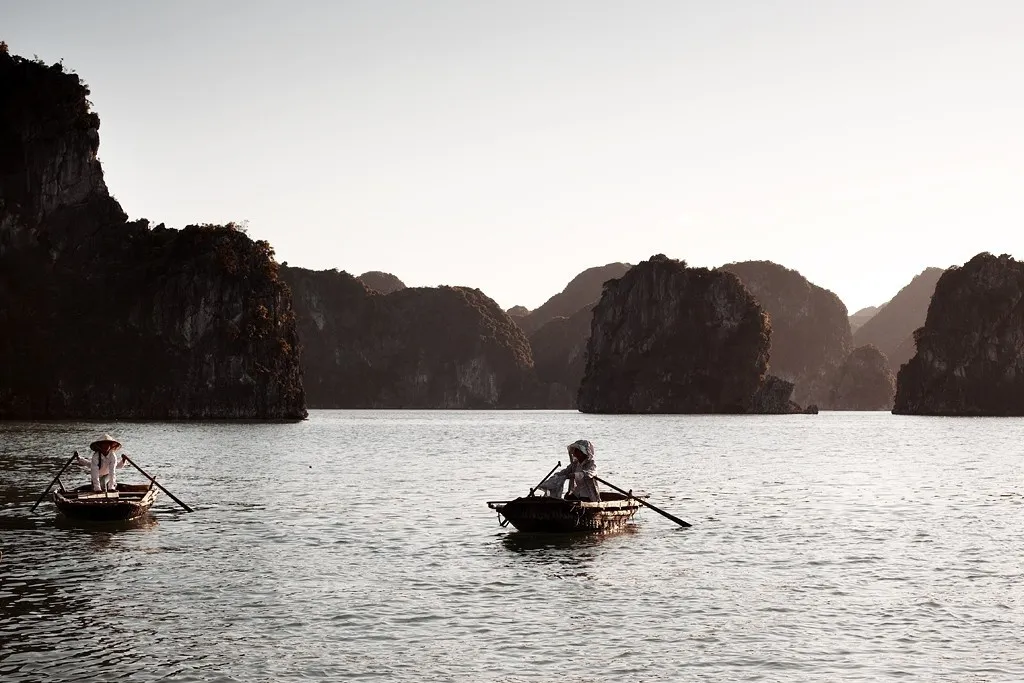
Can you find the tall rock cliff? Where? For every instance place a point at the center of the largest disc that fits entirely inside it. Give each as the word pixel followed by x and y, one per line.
pixel 666 338
pixel 891 329
pixel 559 354
pixel 810 329
pixel 582 290
pixel 970 352
pixel 517 313
pixel 443 347
pixel 864 382
pixel 102 318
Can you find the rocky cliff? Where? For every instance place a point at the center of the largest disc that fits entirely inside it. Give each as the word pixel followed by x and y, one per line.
pixel 559 355
pixel 864 382
pixel 443 347
pixel 517 313
pixel 582 290
pixel 666 338
pixel 773 398
pixel 385 283
pixel 970 352
pixel 891 329
pixel 810 330
pixel 102 318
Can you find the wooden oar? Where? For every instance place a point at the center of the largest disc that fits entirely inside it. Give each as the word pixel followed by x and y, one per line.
pixel 153 479
pixel 642 502
pixel 541 481
pixel 70 460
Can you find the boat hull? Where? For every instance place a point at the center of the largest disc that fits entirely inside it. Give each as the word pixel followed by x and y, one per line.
pixel 536 514
pixel 131 501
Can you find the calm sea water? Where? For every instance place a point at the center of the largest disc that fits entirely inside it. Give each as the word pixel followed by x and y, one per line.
pixel 358 546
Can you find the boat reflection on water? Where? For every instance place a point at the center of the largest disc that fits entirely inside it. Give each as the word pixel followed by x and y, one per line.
pixel 144 522
pixel 101 536
pixel 531 543
pixel 571 554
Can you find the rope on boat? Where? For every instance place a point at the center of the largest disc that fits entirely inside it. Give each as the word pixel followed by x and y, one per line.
pixel 580 514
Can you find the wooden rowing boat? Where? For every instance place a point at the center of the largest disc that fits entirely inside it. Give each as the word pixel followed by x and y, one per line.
pixel 128 502
pixel 557 515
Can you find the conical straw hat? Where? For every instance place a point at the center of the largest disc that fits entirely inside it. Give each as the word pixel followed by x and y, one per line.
pixel 105 445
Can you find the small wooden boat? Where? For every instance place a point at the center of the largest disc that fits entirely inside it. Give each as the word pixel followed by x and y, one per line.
pixel 557 515
pixel 128 502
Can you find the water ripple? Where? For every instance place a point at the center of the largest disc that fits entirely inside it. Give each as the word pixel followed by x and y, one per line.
pixel 844 547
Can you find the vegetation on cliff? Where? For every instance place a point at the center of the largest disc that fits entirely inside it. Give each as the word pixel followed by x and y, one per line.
pixel 667 338
pixel 439 347
pixel 864 382
pixel 102 318
pixel 559 355
pixel 385 283
pixel 810 330
pixel 970 351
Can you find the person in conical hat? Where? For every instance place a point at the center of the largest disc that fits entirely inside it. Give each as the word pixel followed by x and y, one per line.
pixel 104 463
pixel 580 474
pixel 105 445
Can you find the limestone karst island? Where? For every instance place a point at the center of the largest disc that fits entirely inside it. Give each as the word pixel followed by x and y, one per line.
pixel 102 316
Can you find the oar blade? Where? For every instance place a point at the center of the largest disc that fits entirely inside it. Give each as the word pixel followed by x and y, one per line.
pixel 646 504
pixel 157 484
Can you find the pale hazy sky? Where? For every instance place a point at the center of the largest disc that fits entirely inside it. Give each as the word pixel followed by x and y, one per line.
pixel 509 145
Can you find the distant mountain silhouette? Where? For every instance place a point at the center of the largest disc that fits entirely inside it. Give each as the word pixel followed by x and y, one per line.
pixel 385 283
pixel 864 382
pixel 810 331
pixel 420 347
pixel 518 313
pixel 892 327
pixel 583 290
pixel 862 316
pixel 559 355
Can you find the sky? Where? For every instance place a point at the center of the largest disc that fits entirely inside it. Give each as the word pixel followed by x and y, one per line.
pixel 510 145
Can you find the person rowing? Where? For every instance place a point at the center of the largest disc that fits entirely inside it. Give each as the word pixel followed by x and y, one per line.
pixel 103 464
pixel 580 474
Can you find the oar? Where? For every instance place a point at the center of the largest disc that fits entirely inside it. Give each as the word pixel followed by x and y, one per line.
pixel 153 479
pixel 642 502
pixel 541 481
pixel 70 460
